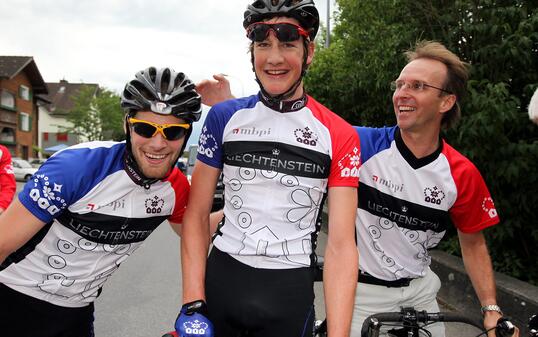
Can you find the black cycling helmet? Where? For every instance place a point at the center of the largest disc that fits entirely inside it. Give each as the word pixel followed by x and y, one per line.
pixel 303 11
pixel 164 92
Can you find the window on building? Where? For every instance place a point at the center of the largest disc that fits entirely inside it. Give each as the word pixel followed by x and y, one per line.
pixel 61 137
pixel 24 92
pixel 7 99
pixel 46 136
pixel 25 124
pixel 7 135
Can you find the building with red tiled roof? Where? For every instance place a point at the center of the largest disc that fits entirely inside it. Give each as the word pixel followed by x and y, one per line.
pixel 21 84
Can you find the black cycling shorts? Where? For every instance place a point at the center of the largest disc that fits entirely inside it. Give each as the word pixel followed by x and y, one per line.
pixel 26 316
pixel 256 302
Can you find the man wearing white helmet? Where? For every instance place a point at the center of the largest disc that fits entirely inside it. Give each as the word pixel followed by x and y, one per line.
pixel 281 153
pixel 90 206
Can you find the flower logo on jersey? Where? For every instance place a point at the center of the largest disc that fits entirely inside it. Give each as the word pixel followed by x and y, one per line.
pixel 308 203
pixel 9 169
pixel 45 196
pixel 154 205
pixel 349 164
pixel 433 195
pixel 489 207
pixel 306 136
pixel 195 327
pixel 207 144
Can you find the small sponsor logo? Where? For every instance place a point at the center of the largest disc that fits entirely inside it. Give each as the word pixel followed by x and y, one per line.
pixel 47 198
pixel 207 144
pixel 306 136
pixel 299 104
pixel 154 205
pixel 388 183
pixel 195 327
pixel 9 169
pixel 252 131
pixel 349 164
pixel 489 207
pixel 160 106
pixel 434 195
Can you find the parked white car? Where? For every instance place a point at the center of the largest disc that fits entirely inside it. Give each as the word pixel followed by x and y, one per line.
pixel 22 169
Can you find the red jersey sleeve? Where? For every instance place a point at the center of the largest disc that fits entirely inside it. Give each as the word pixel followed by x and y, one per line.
pixel 181 186
pixel 474 209
pixel 345 146
pixel 8 186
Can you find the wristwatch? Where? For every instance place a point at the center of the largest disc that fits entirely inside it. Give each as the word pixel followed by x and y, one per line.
pixel 491 307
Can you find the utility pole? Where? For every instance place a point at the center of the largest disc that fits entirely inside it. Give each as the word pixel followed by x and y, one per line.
pixel 328 39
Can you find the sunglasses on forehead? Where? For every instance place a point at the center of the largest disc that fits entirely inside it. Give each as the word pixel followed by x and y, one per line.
pixel 285 32
pixel 168 131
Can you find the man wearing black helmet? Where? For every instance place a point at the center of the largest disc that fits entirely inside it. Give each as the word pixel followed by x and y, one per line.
pixel 280 153
pixel 90 206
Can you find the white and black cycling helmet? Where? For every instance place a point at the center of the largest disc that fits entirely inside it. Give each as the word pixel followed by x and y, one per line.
pixel 303 11
pixel 164 92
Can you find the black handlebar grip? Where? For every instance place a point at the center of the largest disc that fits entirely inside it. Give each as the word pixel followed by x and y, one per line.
pixel 372 320
pixel 504 328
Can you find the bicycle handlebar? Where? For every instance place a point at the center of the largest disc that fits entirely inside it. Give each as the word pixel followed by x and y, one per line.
pixel 411 318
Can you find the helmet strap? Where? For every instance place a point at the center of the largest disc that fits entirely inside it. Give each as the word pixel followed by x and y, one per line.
pixel 129 162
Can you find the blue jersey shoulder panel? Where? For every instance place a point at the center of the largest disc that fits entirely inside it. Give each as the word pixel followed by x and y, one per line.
pixel 210 143
pixel 374 140
pixel 69 175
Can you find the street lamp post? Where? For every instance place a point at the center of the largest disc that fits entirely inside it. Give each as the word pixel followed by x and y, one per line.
pixel 328 39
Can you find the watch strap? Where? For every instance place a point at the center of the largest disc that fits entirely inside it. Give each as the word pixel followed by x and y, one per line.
pixel 491 307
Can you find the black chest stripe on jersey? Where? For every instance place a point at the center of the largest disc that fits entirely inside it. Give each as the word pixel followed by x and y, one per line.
pixel 404 213
pixel 278 157
pixel 108 229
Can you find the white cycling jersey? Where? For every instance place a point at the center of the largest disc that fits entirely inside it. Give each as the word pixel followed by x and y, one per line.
pixel 277 166
pixel 96 216
pixel 406 204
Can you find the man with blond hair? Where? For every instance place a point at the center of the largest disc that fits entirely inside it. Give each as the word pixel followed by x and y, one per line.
pixel 414 185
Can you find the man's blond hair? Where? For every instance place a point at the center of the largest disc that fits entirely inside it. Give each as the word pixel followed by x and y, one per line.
pixel 457 74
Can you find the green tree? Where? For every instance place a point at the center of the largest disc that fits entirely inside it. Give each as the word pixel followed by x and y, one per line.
pixel 96 115
pixel 499 39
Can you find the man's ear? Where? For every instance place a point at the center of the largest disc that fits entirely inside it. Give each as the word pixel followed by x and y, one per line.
pixel 448 103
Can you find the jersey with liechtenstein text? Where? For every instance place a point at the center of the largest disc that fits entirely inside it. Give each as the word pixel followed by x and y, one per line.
pixel 406 204
pixel 95 216
pixel 277 167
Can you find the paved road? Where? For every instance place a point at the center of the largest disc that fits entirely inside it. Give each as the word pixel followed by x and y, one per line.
pixel 143 297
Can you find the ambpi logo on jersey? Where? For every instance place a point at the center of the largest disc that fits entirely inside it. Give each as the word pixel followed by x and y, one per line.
pixel 306 136
pixel 433 195
pixel 489 207
pixel 154 205
pixel 349 164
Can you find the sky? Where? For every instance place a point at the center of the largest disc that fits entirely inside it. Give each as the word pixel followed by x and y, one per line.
pixel 108 41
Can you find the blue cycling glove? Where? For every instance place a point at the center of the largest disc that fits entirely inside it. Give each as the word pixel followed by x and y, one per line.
pixel 192 320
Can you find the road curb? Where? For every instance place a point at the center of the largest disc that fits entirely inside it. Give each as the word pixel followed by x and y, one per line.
pixel 518 299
